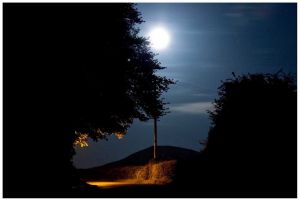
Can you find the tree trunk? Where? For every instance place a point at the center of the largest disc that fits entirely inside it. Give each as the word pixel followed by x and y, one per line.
pixel 155 138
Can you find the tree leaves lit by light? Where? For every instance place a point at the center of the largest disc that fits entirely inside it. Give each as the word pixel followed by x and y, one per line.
pixel 119 135
pixel 81 139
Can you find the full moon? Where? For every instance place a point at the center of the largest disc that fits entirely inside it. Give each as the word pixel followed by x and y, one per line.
pixel 159 38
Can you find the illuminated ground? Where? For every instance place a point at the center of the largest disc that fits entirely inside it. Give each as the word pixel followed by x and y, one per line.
pixel 118 183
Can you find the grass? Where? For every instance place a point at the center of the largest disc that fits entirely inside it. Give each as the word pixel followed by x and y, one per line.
pixel 154 172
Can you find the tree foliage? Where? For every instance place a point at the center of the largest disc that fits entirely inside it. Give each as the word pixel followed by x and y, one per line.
pixel 71 69
pixel 253 109
pixel 251 150
pixel 120 83
pixel 253 137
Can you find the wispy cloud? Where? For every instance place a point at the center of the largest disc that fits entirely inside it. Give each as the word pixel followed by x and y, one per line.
pixel 193 108
pixel 207 32
pixel 203 95
pixel 242 14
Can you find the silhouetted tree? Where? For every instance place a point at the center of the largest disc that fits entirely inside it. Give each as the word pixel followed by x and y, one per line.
pixel 73 69
pixel 120 73
pixel 251 150
pixel 252 144
pixel 128 89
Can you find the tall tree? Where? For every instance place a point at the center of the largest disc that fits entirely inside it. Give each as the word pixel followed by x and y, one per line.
pixel 128 84
pixel 82 69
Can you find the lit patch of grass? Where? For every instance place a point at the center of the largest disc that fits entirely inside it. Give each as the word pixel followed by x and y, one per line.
pixel 154 172
pixel 159 172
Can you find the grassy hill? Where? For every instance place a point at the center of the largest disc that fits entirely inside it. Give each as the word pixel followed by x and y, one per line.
pixel 140 167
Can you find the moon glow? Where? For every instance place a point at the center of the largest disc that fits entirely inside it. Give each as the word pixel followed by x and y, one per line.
pixel 159 38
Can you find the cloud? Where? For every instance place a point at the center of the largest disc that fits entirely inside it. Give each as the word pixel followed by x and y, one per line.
pixel 193 108
pixel 208 31
pixel 203 95
pixel 243 14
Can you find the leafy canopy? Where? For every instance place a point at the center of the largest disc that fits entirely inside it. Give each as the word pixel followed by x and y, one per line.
pixel 116 80
pixel 253 112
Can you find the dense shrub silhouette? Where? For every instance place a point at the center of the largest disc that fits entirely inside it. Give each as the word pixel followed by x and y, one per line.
pixel 251 149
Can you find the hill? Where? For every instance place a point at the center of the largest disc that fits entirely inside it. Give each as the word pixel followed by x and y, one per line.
pixel 140 166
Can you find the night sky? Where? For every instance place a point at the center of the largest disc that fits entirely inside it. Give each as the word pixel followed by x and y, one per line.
pixel 208 43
